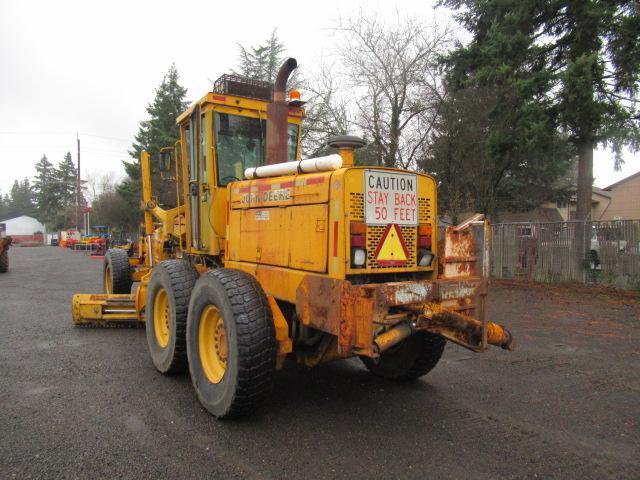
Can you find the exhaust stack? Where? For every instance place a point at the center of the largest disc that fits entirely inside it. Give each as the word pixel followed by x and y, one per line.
pixel 277 113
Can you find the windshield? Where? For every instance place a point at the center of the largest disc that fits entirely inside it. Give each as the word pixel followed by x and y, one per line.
pixel 240 144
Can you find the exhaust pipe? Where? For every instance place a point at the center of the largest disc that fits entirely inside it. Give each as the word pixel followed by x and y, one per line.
pixel 392 337
pixel 277 113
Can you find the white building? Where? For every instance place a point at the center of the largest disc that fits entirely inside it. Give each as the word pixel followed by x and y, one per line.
pixel 23 228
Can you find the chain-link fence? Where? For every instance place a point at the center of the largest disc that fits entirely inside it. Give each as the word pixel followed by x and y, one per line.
pixel 550 252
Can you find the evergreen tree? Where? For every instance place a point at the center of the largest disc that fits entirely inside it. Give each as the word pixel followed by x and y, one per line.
pixel 582 56
pixel 4 207
pixel 21 199
pixel 488 161
pixel 45 192
pixel 66 176
pixel 263 61
pixel 160 130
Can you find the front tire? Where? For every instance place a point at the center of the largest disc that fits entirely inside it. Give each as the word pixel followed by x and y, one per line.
pixel 413 358
pixel 231 343
pixel 116 272
pixel 168 294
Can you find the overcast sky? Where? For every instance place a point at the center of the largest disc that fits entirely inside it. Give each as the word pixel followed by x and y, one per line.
pixel 90 68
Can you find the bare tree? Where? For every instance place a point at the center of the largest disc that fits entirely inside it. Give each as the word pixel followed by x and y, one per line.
pixel 391 71
pixel 326 111
pixel 98 183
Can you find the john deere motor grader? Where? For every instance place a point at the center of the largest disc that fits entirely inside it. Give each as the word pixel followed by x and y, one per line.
pixel 265 257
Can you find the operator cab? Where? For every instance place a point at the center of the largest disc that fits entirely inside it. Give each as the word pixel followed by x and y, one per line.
pixel 222 135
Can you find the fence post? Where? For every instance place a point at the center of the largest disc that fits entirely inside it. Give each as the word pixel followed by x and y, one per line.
pixel 582 248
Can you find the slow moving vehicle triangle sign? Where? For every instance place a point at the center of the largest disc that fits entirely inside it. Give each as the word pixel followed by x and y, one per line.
pixel 391 250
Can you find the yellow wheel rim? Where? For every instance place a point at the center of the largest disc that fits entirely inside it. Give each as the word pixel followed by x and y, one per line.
pixel 161 317
pixel 212 344
pixel 107 279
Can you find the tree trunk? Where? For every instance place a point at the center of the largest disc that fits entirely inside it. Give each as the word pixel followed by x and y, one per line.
pixel 583 203
pixel 585 180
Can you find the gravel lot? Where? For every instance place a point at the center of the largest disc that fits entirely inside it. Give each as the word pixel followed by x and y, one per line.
pixel 87 403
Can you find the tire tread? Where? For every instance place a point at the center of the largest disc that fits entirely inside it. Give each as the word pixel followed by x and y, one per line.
pixel 182 277
pixel 257 346
pixel 430 348
pixel 120 270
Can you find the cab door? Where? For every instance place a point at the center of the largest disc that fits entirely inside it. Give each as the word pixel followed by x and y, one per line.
pixel 207 186
pixel 193 148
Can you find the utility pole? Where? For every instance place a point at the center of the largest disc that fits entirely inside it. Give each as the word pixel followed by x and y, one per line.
pixel 78 187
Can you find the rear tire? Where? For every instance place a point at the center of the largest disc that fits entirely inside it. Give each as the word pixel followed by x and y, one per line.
pixel 116 272
pixel 413 358
pixel 168 294
pixel 4 261
pixel 232 365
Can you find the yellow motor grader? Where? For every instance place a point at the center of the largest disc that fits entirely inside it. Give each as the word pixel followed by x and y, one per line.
pixel 265 256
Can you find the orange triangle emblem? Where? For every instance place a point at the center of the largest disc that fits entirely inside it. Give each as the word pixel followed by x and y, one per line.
pixel 391 250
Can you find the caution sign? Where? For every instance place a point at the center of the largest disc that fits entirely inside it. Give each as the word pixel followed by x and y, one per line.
pixel 391 197
pixel 391 250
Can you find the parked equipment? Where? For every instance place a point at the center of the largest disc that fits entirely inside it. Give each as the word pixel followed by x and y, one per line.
pixel 5 242
pixel 315 260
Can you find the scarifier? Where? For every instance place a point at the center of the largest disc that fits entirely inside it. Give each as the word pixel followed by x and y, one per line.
pixel 315 260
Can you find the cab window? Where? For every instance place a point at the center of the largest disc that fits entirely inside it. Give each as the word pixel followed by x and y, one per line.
pixel 292 141
pixel 241 144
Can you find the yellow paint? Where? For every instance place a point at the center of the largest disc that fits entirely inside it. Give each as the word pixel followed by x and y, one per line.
pixel 347 155
pixel 145 164
pixel 96 309
pixel 212 344
pixel 285 345
pixel 107 279
pixel 280 238
pixel 161 313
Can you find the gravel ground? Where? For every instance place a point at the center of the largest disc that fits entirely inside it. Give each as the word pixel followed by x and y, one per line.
pixel 87 403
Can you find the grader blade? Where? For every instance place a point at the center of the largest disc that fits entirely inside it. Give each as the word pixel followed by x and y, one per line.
pixel 105 310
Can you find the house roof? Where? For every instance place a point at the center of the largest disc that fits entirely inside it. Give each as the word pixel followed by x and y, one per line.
pixel 623 180
pixel 601 191
pixel 598 191
pixel 19 216
pixel 540 214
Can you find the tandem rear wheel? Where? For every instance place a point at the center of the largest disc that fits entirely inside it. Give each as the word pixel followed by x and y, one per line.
pixel 231 343
pixel 168 294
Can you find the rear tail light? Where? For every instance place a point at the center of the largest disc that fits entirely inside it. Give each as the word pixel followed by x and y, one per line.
pixel 425 255
pixel 358 257
pixel 358 244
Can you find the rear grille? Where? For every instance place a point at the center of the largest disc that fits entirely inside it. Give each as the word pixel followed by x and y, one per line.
pixel 424 210
pixel 356 206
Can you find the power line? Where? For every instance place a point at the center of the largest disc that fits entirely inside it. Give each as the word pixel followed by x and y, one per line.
pixel 67 133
